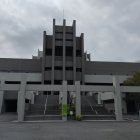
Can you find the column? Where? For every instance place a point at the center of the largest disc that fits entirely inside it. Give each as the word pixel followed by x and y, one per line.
pixel 117 98
pixel 64 48
pixel 21 99
pixel 53 53
pixel 83 59
pixel 99 98
pixel 74 50
pixel 78 99
pixel 64 101
pixel 1 95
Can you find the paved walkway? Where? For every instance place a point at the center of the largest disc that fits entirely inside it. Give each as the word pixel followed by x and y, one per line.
pixel 8 117
pixel 70 131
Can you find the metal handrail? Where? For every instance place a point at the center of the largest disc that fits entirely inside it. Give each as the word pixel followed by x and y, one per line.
pixel 46 104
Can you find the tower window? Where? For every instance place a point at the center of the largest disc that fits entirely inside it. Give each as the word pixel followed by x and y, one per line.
pixel 78 53
pixel 58 51
pixel 58 68
pixel 69 68
pixel 48 51
pixel 69 51
pixel 70 82
pixel 57 82
pixel 47 82
pixel 48 68
pixel 78 70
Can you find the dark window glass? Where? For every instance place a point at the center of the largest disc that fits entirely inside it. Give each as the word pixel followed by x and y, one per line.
pixel 69 39
pixel 70 82
pixel 47 92
pixel 33 82
pixel 78 53
pixel 69 68
pixel 47 82
pixel 57 82
pixel 56 93
pixel 48 68
pixel 58 68
pixel 69 51
pixel 78 70
pixel 12 82
pixel 48 51
pixel 58 51
pixel 58 39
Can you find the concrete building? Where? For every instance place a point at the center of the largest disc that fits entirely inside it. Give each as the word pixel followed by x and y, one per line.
pixel 62 74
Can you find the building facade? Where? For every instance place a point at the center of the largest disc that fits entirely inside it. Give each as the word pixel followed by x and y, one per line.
pixel 62 59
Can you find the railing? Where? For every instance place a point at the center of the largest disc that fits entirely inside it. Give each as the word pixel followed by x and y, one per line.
pixel 46 104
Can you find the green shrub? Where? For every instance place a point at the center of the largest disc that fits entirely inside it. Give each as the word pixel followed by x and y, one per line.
pixel 78 118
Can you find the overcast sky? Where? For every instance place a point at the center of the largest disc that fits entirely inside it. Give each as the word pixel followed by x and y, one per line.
pixel 111 27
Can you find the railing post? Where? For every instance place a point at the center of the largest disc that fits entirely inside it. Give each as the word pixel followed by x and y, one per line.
pixel 117 98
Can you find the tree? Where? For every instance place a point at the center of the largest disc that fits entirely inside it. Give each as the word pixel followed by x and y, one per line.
pixel 133 81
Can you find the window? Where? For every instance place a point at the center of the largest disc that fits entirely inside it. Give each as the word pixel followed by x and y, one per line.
pixel 47 82
pixel 12 82
pixel 78 53
pixel 48 68
pixel 69 51
pixel 78 69
pixel 58 51
pixel 58 68
pixel 48 51
pixel 69 68
pixel 47 93
pixel 70 82
pixel 69 39
pixel 57 82
pixel 33 82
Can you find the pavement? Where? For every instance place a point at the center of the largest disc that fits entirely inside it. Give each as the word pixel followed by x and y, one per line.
pixel 8 117
pixel 71 130
pixel 10 129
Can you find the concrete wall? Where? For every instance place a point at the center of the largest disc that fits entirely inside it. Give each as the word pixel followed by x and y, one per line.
pixel 20 65
pixel 103 78
pixel 110 68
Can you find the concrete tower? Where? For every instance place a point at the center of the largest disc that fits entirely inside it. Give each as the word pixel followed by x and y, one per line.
pixel 63 55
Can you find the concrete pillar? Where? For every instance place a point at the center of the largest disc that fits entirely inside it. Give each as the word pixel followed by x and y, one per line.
pixel 64 101
pixel 60 97
pixel 74 50
pixel 117 99
pixel 21 99
pixel 83 59
pixel 32 98
pixel 78 99
pixel 64 48
pixel 53 53
pixel 1 95
pixel 99 98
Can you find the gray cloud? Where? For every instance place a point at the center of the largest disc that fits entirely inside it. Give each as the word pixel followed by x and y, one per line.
pixel 111 27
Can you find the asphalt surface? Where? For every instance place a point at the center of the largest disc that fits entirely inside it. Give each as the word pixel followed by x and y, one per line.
pixel 70 131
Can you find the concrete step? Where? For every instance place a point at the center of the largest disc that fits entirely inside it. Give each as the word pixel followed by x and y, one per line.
pixel 42 117
pixel 98 117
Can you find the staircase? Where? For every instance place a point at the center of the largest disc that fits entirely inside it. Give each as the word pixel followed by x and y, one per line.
pixel 91 110
pixel 45 107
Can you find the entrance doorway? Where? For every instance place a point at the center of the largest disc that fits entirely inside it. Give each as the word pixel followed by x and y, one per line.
pixel 10 105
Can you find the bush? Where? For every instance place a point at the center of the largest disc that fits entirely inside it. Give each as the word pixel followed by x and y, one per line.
pixel 78 118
